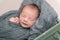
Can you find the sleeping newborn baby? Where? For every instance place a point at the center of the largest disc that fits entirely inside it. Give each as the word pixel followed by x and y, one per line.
pixel 28 16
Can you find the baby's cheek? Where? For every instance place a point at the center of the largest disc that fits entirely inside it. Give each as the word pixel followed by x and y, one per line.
pixel 31 23
pixel 21 19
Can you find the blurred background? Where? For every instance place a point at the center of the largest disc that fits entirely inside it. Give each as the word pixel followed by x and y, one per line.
pixel 6 5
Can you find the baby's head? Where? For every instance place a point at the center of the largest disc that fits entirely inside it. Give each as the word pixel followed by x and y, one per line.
pixel 29 15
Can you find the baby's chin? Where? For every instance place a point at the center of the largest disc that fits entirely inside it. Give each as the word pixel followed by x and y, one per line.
pixel 25 26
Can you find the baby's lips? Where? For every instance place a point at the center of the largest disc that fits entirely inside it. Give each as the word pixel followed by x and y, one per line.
pixel 25 23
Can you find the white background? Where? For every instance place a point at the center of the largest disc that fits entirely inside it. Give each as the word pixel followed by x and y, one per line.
pixel 6 5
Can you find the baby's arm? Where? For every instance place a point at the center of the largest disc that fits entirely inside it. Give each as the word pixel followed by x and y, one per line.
pixel 14 19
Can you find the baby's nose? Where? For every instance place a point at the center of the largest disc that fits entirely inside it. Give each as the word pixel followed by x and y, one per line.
pixel 26 19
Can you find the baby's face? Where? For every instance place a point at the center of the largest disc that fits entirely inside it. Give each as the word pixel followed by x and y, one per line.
pixel 28 17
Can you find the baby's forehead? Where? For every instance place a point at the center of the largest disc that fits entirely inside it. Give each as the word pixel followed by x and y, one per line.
pixel 28 7
pixel 35 10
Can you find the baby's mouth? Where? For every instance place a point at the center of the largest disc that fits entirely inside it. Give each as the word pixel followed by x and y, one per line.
pixel 24 23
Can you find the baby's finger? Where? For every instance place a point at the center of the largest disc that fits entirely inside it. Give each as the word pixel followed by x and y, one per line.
pixel 11 19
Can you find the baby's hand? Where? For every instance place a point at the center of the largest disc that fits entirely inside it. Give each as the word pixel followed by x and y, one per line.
pixel 14 19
